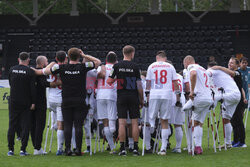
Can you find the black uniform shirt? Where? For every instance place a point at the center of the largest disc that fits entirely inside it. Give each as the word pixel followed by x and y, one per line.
pixel 73 78
pixel 126 74
pixel 238 80
pixel 41 84
pixel 22 85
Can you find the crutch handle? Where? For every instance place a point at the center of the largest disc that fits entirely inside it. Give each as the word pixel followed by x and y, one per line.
pixel 221 89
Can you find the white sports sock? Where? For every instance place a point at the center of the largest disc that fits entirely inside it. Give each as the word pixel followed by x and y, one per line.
pixel 178 136
pixel 109 137
pixel 228 132
pixel 60 139
pixel 131 142
pixel 53 119
pixel 86 129
pixel 73 139
pixel 190 137
pixel 198 132
pixel 112 126
pixel 164 134
pixel 147 138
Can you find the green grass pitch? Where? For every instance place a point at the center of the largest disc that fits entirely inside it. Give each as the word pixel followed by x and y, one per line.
pixel 239 157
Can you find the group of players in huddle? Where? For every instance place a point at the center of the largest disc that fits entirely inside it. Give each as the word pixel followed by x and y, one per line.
pixel 164 97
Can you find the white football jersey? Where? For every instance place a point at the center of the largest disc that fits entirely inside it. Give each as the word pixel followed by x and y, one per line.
pixel 202 88
pixel 91 79
pixel 180 84
pixel 161 74
pixel 54 94
pixel 143 81
pixel 185 76
pixel 222 79
pixel 104 90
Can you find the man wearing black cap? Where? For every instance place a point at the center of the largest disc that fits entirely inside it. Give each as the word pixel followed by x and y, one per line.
pixel 22 100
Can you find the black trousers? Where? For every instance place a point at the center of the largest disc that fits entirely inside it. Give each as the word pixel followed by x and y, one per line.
pixel 238 125
pixel 18 114
pixel 38 121
pixel 74 115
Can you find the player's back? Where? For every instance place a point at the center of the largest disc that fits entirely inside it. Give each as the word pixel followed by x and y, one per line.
pixel 20 78
pixel 222 79
pixel 104 90
pixel 54 94
pixel 202 87
pixel 161 74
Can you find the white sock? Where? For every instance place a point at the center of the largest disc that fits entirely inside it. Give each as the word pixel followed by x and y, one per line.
pixel 228 132
pixel 52 114
pixel 190 137
pixel 198 132
pixel 60 139
pixel 178 136
pixel 109 137
pixel 131 142
pixel 73 139
pixel 147 138
pixel 164 136
pixel 86 129
pixel 87 141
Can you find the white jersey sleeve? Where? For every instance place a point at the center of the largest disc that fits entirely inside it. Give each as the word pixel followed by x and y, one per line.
pixel 185 76
pixel 180 84
pixel 174 76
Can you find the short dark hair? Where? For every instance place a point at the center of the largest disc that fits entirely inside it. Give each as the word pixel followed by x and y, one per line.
pixel 244 59
pixel 212 63
pixel 74 54
pixel 61 56
pixel 128 49
pixel 236 60
pixel 161 53
pixel 24 56
pixel 111 57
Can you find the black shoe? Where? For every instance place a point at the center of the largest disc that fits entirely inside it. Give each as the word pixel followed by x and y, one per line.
pixel 108 148
pixel 73 152
pixel 77 152
pixel 130 150
pixel 123 153
pixel 135 152
pixel 68 152
pixel 150 151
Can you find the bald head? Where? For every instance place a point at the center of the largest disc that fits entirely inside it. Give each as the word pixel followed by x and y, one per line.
pixel 188 60
pixel 41 61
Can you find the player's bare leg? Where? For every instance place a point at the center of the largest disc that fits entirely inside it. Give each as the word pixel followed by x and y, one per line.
pixel 135 135
pixel 130 136
pixel 122 136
